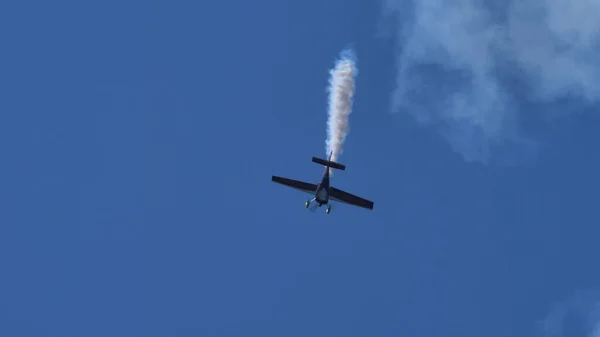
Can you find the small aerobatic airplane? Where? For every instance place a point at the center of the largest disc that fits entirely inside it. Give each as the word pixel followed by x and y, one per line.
pixel 323 192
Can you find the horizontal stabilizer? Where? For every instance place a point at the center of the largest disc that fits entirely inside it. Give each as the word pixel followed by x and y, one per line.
pixel 329 163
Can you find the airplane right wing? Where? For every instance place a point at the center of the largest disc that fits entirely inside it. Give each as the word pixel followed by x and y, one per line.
pixel 299 185
pixel 348 198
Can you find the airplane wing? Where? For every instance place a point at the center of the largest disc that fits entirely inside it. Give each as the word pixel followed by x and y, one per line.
pixel 299 185
pixel 345 197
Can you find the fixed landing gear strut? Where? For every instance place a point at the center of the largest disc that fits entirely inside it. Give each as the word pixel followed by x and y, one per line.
pixel 309 201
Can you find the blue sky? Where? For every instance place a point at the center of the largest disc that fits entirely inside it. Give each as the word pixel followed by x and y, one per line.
pixel 139 138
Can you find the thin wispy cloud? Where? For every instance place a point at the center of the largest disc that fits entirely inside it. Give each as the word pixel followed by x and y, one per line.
pixel 578 316
pixel 468 67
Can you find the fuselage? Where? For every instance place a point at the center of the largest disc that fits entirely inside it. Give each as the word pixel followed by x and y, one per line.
pixel 322 193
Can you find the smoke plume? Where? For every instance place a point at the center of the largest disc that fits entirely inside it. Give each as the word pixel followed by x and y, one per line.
pixel 341 92
pixel 477 69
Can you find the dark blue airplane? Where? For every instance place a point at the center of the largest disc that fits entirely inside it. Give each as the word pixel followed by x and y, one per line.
pixel 323 191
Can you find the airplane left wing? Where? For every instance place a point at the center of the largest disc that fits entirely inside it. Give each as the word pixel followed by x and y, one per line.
pixel 350 199
pixel 299 185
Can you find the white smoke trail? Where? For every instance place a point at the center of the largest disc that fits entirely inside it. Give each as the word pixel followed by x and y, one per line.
pixel 476 69
pixel 341 92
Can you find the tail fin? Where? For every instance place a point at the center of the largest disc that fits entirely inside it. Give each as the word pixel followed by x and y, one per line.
pixel 329 163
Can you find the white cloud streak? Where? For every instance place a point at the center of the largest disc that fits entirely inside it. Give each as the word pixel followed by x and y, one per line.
pixel 467 67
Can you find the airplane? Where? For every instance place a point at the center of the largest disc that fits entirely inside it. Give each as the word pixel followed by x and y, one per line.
pixel 323 192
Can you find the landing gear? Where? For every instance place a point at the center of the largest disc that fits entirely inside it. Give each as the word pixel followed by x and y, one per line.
pixel 317 204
